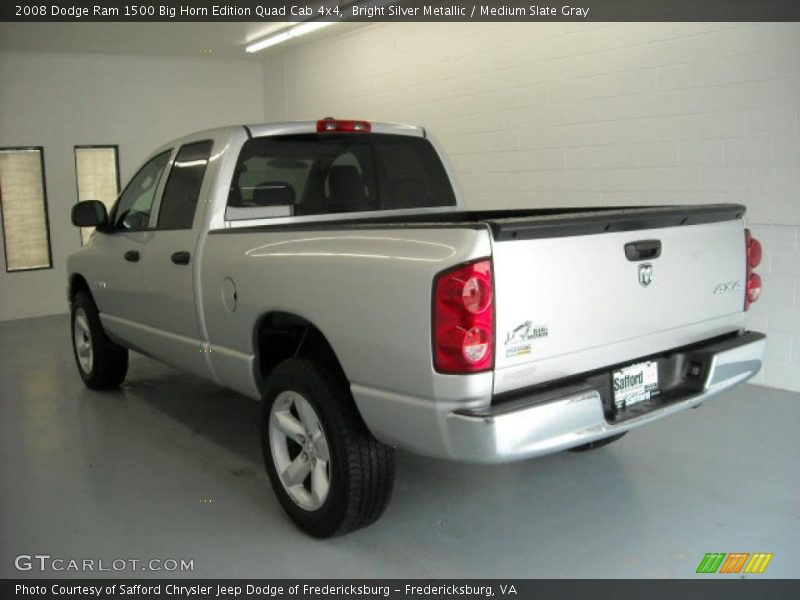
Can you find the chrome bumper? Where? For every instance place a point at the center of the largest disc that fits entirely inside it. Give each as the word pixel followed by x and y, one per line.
pixel 573 415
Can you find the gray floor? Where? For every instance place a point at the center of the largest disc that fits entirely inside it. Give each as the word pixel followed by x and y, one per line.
pixel 169 467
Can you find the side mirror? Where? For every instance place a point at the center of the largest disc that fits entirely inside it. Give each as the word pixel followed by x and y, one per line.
pixel 90 213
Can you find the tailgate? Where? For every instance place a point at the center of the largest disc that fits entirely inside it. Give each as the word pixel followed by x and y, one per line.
pixel 570 304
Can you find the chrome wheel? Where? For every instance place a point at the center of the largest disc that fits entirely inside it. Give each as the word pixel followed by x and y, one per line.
pixel 82 338
pixel 299 450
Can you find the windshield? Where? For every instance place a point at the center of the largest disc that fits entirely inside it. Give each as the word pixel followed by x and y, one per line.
pixel 336 173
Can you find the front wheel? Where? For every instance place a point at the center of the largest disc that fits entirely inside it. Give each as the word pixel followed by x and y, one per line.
pixel 102 364
pixel 329 473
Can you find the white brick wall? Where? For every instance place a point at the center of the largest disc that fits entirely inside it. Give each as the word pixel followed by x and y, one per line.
pixel 570 114
pixel 136 102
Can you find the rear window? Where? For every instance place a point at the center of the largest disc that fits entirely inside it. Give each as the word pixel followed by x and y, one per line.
pixel 301 175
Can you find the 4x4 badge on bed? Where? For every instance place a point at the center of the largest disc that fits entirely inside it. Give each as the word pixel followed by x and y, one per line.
pixel 645 274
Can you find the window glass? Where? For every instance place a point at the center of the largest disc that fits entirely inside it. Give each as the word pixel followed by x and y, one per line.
pixel 256 171
pixel 183 186
pixel 335 173
pixel 97 174
pixel 23 203
pixel 134 206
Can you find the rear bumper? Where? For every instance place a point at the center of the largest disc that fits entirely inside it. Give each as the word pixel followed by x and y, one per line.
pixel 573 415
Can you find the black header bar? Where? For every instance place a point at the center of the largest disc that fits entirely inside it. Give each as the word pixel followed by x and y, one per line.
pixel 710 587
pixel 400 10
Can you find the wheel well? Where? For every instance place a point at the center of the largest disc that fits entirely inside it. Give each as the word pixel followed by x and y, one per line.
pixel 77 283
pixel 280 336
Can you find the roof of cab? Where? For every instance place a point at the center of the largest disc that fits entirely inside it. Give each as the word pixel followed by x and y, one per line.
pixel 285 128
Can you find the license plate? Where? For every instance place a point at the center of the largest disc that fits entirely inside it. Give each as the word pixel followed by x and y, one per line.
pixel 634 384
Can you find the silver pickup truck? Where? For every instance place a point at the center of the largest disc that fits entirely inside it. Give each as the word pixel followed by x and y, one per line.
pixel 330 269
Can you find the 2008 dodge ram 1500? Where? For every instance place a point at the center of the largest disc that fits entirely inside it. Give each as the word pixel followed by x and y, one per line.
pixel 330 269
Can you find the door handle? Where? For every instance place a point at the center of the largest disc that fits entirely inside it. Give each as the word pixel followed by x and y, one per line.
pixel 132 256
pixel 643 250
pixel 181 258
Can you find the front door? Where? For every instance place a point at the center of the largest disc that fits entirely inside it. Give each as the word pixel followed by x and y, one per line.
pixel 117 275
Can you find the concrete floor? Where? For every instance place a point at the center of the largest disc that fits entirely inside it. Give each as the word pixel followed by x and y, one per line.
pixel 170 467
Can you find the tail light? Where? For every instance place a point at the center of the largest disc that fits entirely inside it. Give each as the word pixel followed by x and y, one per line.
pixel 329 125
pixel 463 319
pixel 753 286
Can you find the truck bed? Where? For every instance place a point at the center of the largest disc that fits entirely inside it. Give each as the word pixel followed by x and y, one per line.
pixel 563 275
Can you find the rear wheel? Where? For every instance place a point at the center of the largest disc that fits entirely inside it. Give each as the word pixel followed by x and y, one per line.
pixel 102 364
pixel 329 473
pixel 598 443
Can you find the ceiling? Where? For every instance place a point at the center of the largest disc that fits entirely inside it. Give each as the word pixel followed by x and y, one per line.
pixel 209 40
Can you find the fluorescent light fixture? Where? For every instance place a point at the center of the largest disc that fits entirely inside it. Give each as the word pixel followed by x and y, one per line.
pixel 287 34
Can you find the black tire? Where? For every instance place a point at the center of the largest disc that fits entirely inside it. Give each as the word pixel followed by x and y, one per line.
pixel 598 443
pixel 360 468
pixel 109 361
